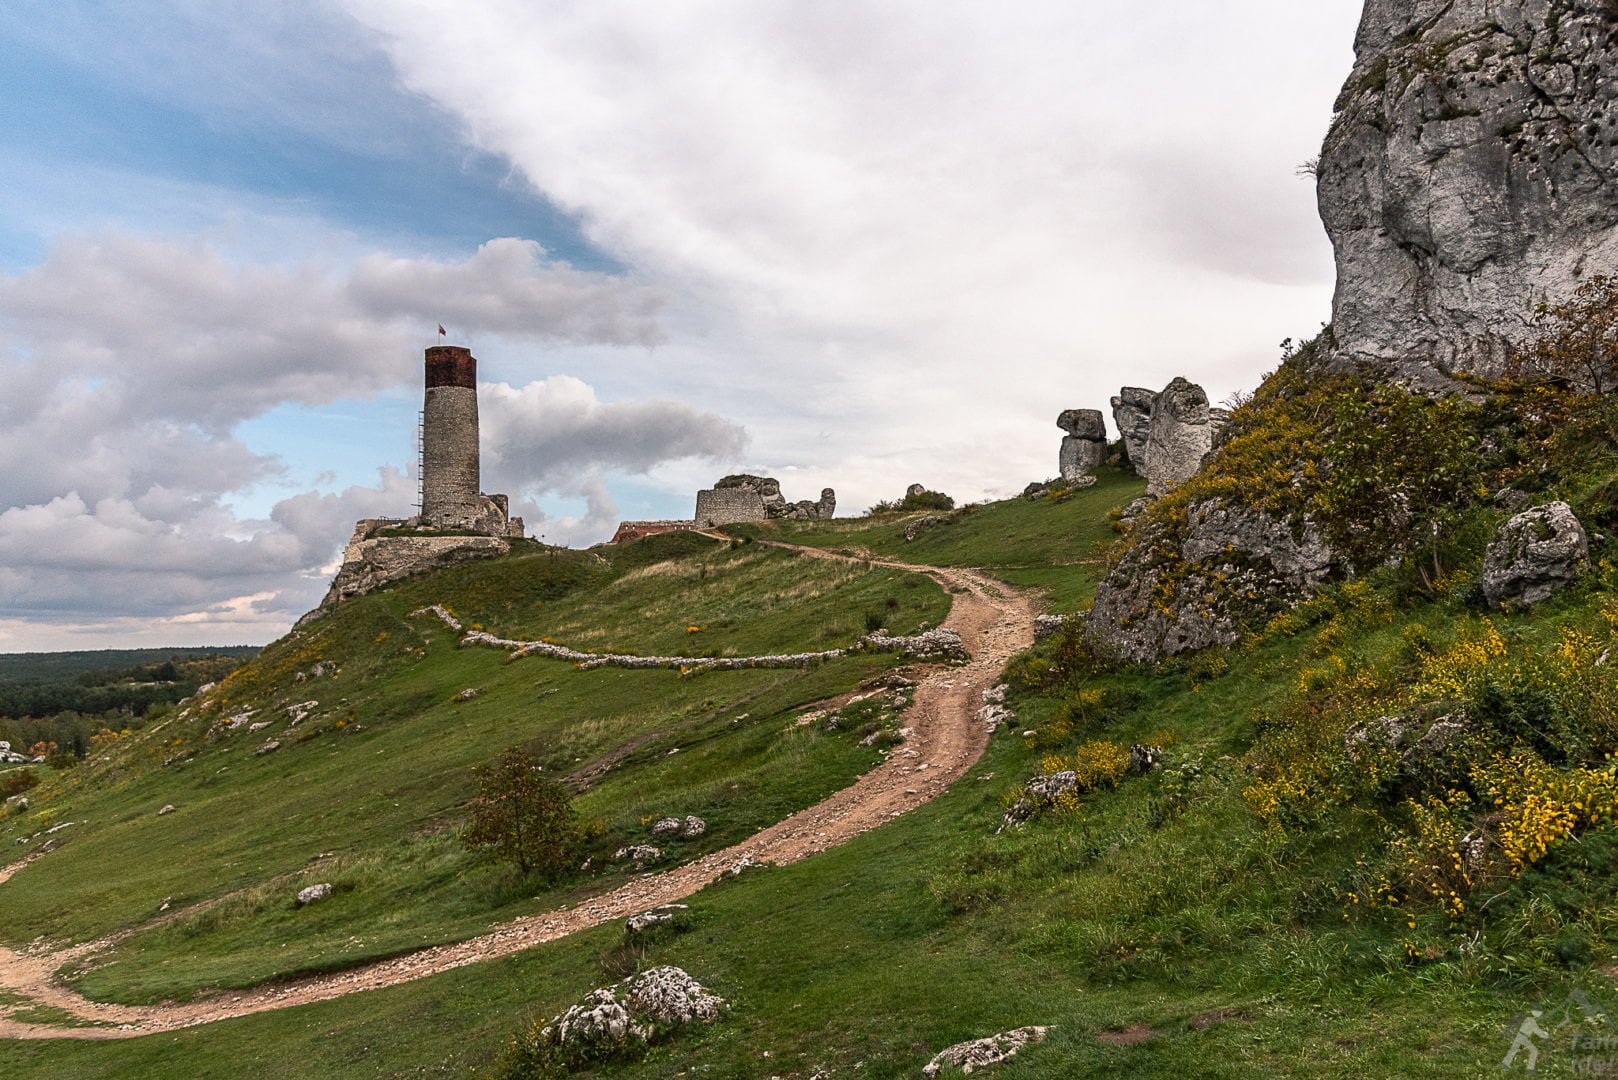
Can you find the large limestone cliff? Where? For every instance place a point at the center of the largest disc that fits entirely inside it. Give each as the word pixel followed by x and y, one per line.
pixel 1471 174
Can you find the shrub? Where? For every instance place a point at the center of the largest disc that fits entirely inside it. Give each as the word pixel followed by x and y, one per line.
pixel 16 783
pixel 524 816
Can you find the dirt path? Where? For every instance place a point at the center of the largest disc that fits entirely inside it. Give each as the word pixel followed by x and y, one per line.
pixel 948 737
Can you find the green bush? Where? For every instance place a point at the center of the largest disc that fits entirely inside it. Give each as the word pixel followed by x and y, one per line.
pixel 524 816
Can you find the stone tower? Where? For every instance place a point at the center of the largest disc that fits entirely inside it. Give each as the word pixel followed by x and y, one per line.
pixel 449 439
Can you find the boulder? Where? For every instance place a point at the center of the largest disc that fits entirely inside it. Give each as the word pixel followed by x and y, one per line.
pixel 1132 415
pixel 314 894
pixel 1227 562
pixel 628 1016
pixel 668 826
pixel 1083 424
pixel 1534 556
pixel 981 1053
pixel 1180 437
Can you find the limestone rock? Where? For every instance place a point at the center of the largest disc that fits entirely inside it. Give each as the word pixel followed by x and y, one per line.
pixel 693 827
pixel 636 925
pixel 915 491
pixel 468 694
pixel 1046 625
pixel 1083 424
pixel 1180 437
pixel 314 893
pixel 639 854
pixel 1535 555
pixel 1230 562
pixel 981 1053
pixel 168 808
pixel 1469 177
pixel 371 561
pixel 628 1016
pixel 1080 458
pixel 668 826
pixel 1132 415
pixel 915 528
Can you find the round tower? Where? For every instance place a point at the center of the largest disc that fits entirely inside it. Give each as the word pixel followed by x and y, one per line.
pixel 449 438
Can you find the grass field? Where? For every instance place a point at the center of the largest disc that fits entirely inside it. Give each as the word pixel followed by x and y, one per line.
pixel 365 792
pixel 1163 927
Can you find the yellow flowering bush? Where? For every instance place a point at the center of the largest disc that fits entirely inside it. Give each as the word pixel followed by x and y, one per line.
pixel 1455 672
pixel 1539 807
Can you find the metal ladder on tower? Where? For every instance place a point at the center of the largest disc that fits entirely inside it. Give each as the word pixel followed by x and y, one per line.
pixel 421 463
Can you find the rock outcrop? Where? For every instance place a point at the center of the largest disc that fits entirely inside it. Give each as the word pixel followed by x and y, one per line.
pixel 1132 415
pixel 1176 594
pixel 627 1017
pixel 1085 447
pixel 981 1053
pixel 1534 556
pixel 1180 436
pixel 371 560
pixel 1470 176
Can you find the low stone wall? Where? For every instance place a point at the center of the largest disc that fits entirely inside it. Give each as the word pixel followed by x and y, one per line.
pixel 939 644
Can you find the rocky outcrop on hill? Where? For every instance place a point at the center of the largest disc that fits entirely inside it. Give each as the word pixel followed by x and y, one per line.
pixel 371 561
pixel 1085 447
pixel 1132 413
pixel 1186 585
pixel 1469 177
pixel 1179 438
pixel 1535 555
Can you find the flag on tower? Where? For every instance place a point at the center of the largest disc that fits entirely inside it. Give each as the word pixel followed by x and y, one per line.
pixel 441 330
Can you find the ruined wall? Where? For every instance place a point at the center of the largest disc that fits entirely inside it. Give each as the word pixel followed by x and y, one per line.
pixel 371 561
pixel 729 506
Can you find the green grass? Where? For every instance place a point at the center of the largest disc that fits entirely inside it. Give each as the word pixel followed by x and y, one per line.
pixel 365 793
pixel 1057 545
pixel 1220 939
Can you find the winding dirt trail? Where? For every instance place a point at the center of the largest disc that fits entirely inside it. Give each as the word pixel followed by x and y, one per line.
pixel 948 737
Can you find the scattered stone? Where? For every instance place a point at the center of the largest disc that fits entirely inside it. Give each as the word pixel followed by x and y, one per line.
pixel 1534 556
pixel 742 865
pixel 239 719
pixel 646 920
pixel 314 893
pixel 639 854
pixel 1040 793
pixel 996 695
pixel 630 1015
pixel 1143 758
pixel 469 693
pixel 1046 625
pixel 300 712
pixel 921 525
pixel 18 803
pixel 168 809
pixel 668 826
pixel 1179 438
pixel 693 827
pixel 268 748
pixel 259 726
pixel 982 1053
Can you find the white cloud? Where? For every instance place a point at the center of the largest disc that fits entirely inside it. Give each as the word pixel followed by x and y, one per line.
pixel 935 223
pixel 135 359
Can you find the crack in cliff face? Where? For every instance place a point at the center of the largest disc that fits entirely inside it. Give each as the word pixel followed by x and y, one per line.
pixel 1467 178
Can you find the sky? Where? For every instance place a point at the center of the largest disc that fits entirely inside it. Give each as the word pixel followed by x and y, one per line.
pixel 848 244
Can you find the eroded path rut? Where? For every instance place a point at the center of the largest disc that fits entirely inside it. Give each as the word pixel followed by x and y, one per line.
pixel 948 737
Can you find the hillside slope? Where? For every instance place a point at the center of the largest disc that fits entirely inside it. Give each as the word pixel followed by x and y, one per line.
pixel 1197 920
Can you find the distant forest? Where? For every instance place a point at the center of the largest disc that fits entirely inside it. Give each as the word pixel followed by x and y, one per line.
pixel 63 698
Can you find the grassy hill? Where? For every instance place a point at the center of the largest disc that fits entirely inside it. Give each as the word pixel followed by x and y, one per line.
pixel 1248 909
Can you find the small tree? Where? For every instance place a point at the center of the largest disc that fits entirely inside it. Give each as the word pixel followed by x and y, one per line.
pixel 523 815
pixel 1579 339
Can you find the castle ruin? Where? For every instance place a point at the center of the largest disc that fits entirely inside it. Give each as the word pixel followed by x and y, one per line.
pixel 456 520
